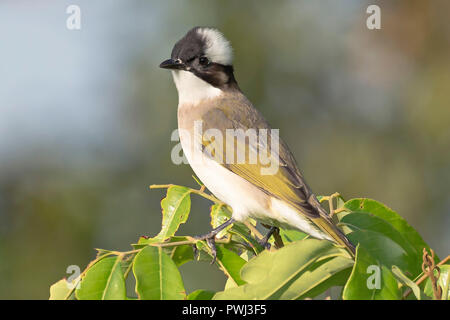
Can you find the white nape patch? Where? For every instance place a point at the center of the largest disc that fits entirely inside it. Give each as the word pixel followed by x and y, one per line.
pixel 218 48
pixel 192 89
pixel 290 216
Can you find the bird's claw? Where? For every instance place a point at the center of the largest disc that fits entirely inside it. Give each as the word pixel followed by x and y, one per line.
pixel 212 244
pixel 265 241
pixel 210 239
pixel 195 249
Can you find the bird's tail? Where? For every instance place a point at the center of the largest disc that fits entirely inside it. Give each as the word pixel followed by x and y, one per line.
pixel 327 226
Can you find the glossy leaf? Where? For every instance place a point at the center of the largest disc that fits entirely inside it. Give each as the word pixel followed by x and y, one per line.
pixel 314 280
pixel 382 240
pixel 393 218
pixel 274 274
pixel 241 231
pixel 406 281
pixel 230 263
pixel 175 210
pixel 291 235
pixel 337 279
pixel 60 290
pixel 201 295
pixel 157 276
pixel 181 254
pixel 103 281
pixel 219 215
pixel 370 280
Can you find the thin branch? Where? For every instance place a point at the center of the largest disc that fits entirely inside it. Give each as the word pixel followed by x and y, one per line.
pixel 200 192
pixel 425 276
pixel 330 202
pixel 253 230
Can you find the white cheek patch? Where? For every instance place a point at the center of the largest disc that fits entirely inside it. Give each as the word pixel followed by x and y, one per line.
pixel 218 49
pixel 191 89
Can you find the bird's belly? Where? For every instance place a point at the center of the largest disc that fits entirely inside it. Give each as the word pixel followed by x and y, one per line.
pixel 244 198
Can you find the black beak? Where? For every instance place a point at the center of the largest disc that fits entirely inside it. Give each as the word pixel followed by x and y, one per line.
pixel 172 64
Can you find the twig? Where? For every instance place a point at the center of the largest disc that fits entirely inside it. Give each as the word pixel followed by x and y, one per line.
pixel 423 278
pixel 428 267
pixel 125 274
pixel 200 192
pixel 330 201
pixel 253 230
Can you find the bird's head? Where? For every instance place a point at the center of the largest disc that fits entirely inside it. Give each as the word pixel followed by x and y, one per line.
pixel 202 59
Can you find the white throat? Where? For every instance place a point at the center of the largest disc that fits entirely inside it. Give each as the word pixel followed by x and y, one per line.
pixel 192 89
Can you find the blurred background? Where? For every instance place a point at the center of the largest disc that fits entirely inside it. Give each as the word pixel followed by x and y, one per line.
pixel 86 117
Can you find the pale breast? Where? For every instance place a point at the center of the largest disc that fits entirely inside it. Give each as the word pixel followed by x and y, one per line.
pixel 244 198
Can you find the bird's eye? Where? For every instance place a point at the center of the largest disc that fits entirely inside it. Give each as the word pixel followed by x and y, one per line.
pixel 203 61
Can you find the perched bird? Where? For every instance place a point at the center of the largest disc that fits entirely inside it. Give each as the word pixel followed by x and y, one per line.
pixel 209 98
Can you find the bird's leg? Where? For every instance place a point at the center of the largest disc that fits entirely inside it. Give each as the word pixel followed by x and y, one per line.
pixel 210 237
pixel 265 241
pixel 278 241
pixel 195 250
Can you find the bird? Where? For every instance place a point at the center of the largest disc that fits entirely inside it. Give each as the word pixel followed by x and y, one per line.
pixel 216 121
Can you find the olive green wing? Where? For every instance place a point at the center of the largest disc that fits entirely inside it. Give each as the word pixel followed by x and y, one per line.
pixel 274 171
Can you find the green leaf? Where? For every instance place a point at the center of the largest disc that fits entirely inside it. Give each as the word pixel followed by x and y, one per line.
pixel 103 281
pixel 180 254
pixel 228 261
pixel 203 251
pixel 338 279
pixel 231 264
pixel 60 289
pixel 291 235
pixel 370 280
pixel 247 255
pixel 201 295
pixel 443 281
pixel 157 276
pixel 380 210
pixel 241 231
pixel 406 281
pixel 382 240
pixel 274 274
pixel 369 221
pixel 315 279
pixel 175 209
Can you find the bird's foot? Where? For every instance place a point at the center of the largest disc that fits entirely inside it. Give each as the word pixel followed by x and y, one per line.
pixel 210 239
pixel 211 242
pixel 265 241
